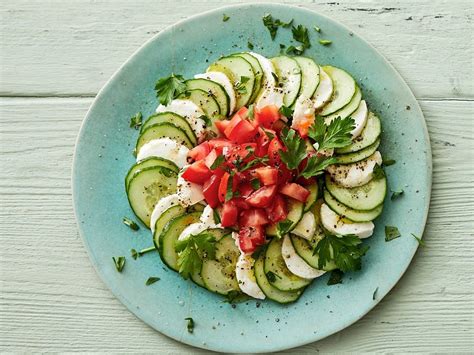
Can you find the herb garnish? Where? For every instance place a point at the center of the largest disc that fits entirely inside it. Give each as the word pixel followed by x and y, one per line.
pixel 317 29
pixel 391 233
pixel 119 262
pixel 378 172
pixel 286 111
pixel 335 278
pixel 136 121
pixel 190 325
pixel 325 42
pixel 206 120
pixel 217 218
pixel 255 183
pixel 300 34
pixel 250 45
pixel 151 280
pixel 192 250
pixel 396 194
pixel 225 18
pixel 335 135
pixel 240 85
pixel 283 227
pixel 295 149
pixel 346 251
pixel 271 276
pixel 170 88
pixel 230 184
pixel 131 224
pixel 419 240
pixel 316 165
pixel 388 161
pixel 374 295
pixel 275 76
pixel 273 24
pixel 218 162
pixel 136 254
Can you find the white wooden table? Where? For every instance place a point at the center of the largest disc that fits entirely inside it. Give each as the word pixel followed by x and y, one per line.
pixel 56 55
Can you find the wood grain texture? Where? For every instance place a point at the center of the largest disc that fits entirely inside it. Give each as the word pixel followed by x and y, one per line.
pixel 50 297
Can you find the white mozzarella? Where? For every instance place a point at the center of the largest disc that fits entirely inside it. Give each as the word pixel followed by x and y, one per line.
pixel 244 271
pixel 295 263
pixel 189 110
pixel 267 68
pixel 164 148
pixel 162 205
pixel 270 96
pixel 360 118
pixel 222 79
pixel 192 229
pixel 189 193
pixel 303 112
pixel 207 217
pixel 335 225
pixel 324 91
pixel 306 226
pixel 355 174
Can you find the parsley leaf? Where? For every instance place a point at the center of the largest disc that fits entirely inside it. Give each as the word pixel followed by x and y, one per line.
pixel 273 24
pixel 169 88
pixel 391 233
pixel 190 325
pixel 218 162
pixel 134 254
pixel 131 224
pixel 137 254
pixel 335 135
pixel 396 194
pixel 230 184
pixel 286 111
pixel 269 134
pixel 419 240
pixel 151 280
pixel 346 251
pixel 317 29
pixel 271 276
pixel 240 85
pixel 378 172
pixel 206 120
pixel 335 278
pixel 192 250
pixel 119 262
pixel 316 165
pixel 217 218
pixel 225 18
pixel 374 295
pixel 283 227
pixel 136 121
pixel 255 183
pixel 300 34
pixel 250 45
pixel 295 149
pixel 388 161
pixel 325 42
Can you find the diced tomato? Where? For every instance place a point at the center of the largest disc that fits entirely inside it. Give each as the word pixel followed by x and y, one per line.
pixel 245 189
pixel 211 189
pixel 263 141
pixel 262 197
pixel 234 122
pixel 253 217
pixel 277 211
pixel 306 182
pixel 200 151
pixel 197 172
pixel 245 243
pixel 241 203
pixel 219 143
pixel 223 185
pixel 210 158
pixel 267 175
pixel 243 132
pixel 221 125
pixel 278 126
pixel 250 238
pixel 267 116
pixel 240 152
pixel 295 191
pixel 229 214
pixel 243 112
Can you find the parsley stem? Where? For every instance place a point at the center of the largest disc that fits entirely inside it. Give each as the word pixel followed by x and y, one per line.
pixel 146 250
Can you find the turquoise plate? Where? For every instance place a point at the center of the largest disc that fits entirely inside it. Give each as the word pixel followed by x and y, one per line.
pixel 104 154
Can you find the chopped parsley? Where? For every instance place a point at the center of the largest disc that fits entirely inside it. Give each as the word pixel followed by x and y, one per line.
pixel 271 276
pixel 151 280
pixel 131 224
pixel 317 29
pixel 136 254
pixel 396 194
pixel 316 165
pixel 190 324
pixel 240 85
pixel 301 35
pixel 335 135
pixel 378 172
pixel 419 240
pixel 272 24
pixel 119 262
pixel 335 277
pixel 230 184
pixel 250 45
pixel 374 295
pixel 391 233
pixel 206 120
pixel 325 42
pixel 225 18
pixel 295 149
pixel 286 111
pixel 388 161
pixel 283 227
pixel 255 183
pixel 218 162
pixel 136 120
pixel 169 88
pixel 217 218
pixel 192 250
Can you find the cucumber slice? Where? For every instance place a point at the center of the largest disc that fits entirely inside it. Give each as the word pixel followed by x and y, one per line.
pixel 169 237
pixel 295 213
pixel 164 130
pixel 219 275
pixel 306 226
pixel 284 279
pixel 295 263
pixel 204 100
pixel 359 155
pixel 147 187
pixel 147 163
pixel 371 132
pixel 257 68
pixel 170 117
pixel 313 195
pixel 272 292
pixel 309 77
pixel 324 91
pixel 162 221
pixel 305 248
pixel 216 89
pixel 344 89
pixel 365 197
pixel 237 68
pixel 350 213
pixel 289 78
pixel 348 109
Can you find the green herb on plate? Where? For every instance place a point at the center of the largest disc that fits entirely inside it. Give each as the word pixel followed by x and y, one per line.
pixel 391 233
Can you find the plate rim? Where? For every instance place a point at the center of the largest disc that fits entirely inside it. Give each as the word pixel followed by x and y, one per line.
pixel 290 344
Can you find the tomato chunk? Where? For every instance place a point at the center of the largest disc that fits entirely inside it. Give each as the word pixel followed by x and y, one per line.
pixel 243 132
pixel 211 189
pixel 267 116
pixel 245 243
pixel 197 172
pixel 200 151
pixel 250 238
pixel 234 122
pixel 267 175
pixel 210 158
pixel 274 148
pixel 229 214
pixel 295 191
pixel 277 211
pixel 245 189
pixel 253 217
pixel 221 125
pixel 262 197
pixel 219 143
pixel 224 183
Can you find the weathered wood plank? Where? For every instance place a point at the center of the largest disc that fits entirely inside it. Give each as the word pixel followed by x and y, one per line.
pixel 71 48
pixel 51 299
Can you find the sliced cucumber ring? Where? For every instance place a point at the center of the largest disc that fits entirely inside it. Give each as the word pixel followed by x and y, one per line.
pixel 296 264
pixel 348 109
pixel 313 195
pixel 147 163
pixel 257 68
pixel 368 136
pixel 204 100
pixel 289 78
pixel 350 213
pixel 164 130
pixel 359 155
pixel 344 89
pixel 170 117
pixel 305 248
pixel 211 87
pixel 309 77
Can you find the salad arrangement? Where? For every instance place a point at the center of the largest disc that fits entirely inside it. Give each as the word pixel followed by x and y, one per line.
pixel 259 175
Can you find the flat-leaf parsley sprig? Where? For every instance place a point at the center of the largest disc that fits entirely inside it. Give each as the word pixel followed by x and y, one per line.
pixel 170 88
pixel 193 250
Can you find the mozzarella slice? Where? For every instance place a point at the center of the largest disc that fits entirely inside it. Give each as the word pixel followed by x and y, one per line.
pixel 267 68
pixel 303 114
pixel 164 148
pixel 306 226
pixel 192 229
pixel 324 91
pixel 355 174
pixel 222 79
pixel 335 225
pixel 295 263
pixel 360 119
pixel 164 204
pixel 244 271
pixel 189 110
pixel 207 217
pixel 189 193
pixel 270 96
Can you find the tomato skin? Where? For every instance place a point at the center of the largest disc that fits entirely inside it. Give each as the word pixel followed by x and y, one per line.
pixel 245 189
pixel 295 191
pixel 211 189
pixel 219 143
pixel 250 238
pixel 278 126
pixel 229 214
pixel 234 122
pixel 243 132
pixel 200 151
pixel 262 197
pixel 223 185
pixel 241 203
pixel 267 175
pixel 278 210
pixel 253 217
pixel 243 112
pixel 197 172
pixel 221 125
pixel 274 147
pixel 267 116
pixel 245 243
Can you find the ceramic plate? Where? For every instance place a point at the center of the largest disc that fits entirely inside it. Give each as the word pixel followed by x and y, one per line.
pixel 104 154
